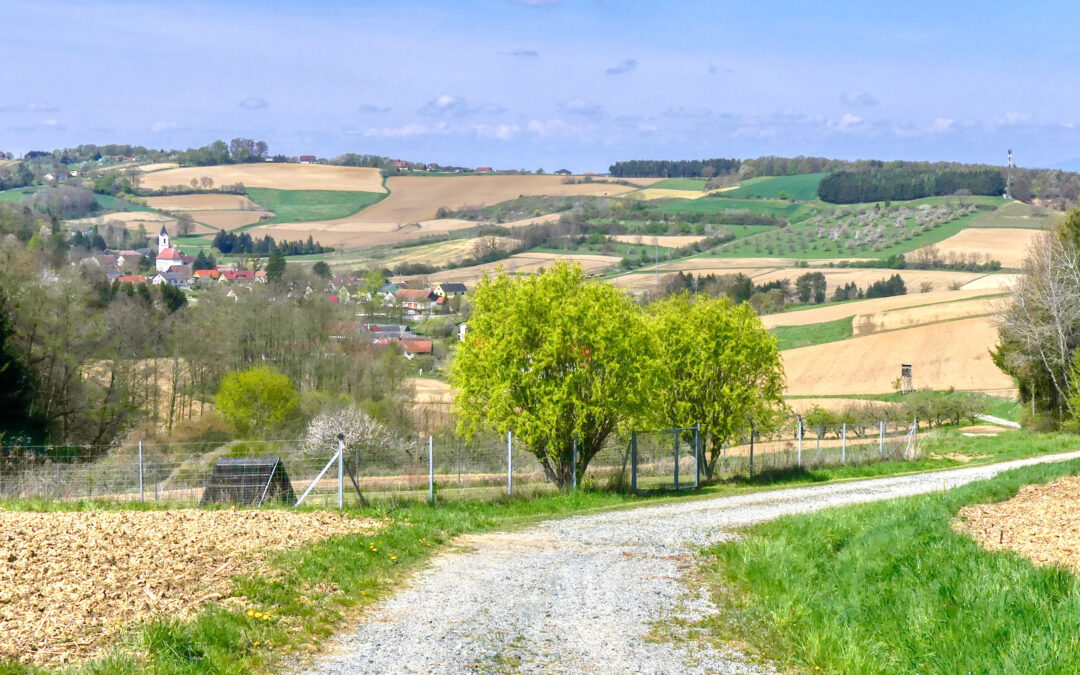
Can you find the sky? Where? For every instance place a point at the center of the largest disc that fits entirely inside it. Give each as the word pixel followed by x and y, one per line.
pixel 527 84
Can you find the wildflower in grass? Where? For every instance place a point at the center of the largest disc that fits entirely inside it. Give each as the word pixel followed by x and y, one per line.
pixel 393 557
pixel 251 612
pixel 256 643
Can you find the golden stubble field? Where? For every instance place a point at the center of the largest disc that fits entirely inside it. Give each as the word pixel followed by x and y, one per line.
pixel 1009 246
pixel 954 354
pixel 275 176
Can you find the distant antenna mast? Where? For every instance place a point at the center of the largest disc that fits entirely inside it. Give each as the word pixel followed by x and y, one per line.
pixel 1008 177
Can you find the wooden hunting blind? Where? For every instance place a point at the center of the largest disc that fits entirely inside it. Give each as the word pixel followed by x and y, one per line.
pixel 248 481
pixel 906 383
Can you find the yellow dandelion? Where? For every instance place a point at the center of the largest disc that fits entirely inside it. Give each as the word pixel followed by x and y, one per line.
pixel 256 643
pixel 393 557
pixel 251 612
pixel 266 617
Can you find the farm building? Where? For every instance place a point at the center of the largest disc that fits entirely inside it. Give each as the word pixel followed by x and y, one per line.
pixel 307 159
pixel 562 172
pixel 449 289
pixel 483 169
pixel 415 301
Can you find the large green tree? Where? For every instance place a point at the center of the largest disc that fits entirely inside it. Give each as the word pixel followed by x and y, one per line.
pixel 552 357
pixel 256 400
pixel 721 369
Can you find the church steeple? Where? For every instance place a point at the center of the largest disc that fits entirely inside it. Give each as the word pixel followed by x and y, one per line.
pixel 162 239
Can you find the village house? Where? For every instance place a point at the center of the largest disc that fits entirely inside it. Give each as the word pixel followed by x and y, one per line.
pixel 415 301
pixel 448 289
pixel 483 169
pixel 307 159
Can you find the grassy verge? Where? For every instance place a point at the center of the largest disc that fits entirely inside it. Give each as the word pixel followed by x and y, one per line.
pixel 315 588
pixel 692 184
pixel 791 337
pixel 889 587
pixel 294 206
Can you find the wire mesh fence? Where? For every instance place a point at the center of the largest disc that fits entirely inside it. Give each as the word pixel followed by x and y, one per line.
pixel 430 468
pixel 793 446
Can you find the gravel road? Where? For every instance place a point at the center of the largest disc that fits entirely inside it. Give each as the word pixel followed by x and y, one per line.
pixel 581 594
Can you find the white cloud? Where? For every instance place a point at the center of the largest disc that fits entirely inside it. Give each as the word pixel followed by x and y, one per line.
pixel 1014 117
pixel 546 128
pixel 447 105
pixel 163 125
pixel 396 132
pixel 858 97
pixel 940 125
pixel 849 121
pixel 502 132
pixel 30 107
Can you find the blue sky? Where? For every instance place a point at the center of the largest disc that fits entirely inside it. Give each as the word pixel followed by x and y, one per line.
pixel 549 83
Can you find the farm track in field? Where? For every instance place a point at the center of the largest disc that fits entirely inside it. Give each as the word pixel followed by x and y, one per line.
pixel 584 594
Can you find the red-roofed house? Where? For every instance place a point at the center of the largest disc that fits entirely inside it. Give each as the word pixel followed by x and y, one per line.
pixel 307 159
pixel 131 279
pixel 207 274
pixel 401 166
pixel 237 275
pixel 414 301
pixel 483 169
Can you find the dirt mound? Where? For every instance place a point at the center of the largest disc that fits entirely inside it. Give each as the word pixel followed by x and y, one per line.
pixel 1042 523
pixel 72 579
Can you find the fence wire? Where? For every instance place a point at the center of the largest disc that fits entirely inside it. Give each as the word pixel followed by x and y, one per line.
pixel 441 467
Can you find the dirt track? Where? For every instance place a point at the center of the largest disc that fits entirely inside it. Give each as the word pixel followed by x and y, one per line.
pixel 583 594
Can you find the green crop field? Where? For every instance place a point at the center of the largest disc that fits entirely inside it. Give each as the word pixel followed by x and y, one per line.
pixel 695 184
pixel 15 195
pixel 1018 214
pixel 802 187
pixel 293 206
pixel 792 337
pixel 714 205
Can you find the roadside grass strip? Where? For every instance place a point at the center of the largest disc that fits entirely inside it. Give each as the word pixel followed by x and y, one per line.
pixel 892 587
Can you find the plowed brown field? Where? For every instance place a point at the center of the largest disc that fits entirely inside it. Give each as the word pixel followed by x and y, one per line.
pixel 524 263
pixel 665 241
pixel 71 580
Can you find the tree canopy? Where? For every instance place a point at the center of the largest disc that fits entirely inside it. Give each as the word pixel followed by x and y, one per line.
pixel 552 357
pixel 256 400
pixel 721 369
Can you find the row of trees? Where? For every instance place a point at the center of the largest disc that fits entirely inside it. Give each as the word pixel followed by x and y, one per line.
pixel 242 242
pixel 680 168
pixel 238 151
pixel 900 183
pixel 554 358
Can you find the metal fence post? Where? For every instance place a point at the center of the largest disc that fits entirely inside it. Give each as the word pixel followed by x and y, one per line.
pixel 751 452
pixel 843 443
pixel 341 473
pixel 509 462
pixel 141 497
pixel 677 459
pixel 633 461
pixel 697 455
pixel 798 458
pixel 458 443
pixel 573 470
pixel 431 469
pixel 881 438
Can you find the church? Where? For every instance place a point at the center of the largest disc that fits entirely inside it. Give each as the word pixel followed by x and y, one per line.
pixel 168 257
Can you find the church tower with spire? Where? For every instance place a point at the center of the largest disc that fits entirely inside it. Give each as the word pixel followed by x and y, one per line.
pixel 162 239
